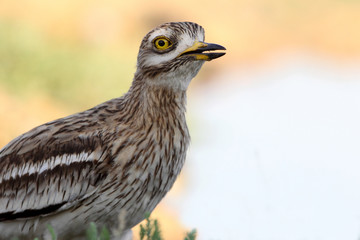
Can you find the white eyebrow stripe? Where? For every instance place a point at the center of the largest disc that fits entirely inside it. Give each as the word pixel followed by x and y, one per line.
pixel 48 164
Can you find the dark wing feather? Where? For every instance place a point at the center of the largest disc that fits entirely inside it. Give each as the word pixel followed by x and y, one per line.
pixel 51 168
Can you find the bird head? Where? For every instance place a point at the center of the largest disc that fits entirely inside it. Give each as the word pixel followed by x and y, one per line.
pixel 173 53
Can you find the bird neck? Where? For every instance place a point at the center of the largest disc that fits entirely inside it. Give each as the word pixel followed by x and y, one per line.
pixel 156 101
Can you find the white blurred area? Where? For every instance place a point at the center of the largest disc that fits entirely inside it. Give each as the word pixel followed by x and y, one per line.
pixel 275 152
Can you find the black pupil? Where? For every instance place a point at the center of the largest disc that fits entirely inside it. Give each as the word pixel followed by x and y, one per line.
pixel 161 43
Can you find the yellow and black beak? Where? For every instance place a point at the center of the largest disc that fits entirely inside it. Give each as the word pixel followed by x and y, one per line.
pixel 202 51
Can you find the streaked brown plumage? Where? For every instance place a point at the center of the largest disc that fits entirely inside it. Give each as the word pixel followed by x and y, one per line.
pixel 120 156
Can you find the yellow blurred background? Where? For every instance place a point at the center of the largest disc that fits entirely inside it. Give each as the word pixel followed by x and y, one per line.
pixel 61 57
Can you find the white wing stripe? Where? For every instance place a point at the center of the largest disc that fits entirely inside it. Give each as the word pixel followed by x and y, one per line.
pixel 48 164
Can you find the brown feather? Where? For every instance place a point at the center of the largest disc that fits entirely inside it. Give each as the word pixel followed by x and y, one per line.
pixel 120 156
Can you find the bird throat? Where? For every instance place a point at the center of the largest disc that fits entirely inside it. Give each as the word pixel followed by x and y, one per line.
pixel 157 101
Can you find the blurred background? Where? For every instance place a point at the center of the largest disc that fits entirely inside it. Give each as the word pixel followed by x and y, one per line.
pixel 275 123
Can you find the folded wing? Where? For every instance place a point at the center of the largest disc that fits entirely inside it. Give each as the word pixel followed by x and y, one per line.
pixel 46 171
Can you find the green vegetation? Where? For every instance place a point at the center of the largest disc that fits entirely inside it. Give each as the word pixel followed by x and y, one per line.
pixel 149 231
pixel 52 232
pixel 92 233
pixel 191 235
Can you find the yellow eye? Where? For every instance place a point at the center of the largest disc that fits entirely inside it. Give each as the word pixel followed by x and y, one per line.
pixel 162 43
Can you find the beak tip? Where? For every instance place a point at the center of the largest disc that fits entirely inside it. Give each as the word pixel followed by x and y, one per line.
pixel 212 56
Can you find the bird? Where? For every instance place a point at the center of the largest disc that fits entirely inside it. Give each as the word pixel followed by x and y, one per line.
pixel 120 157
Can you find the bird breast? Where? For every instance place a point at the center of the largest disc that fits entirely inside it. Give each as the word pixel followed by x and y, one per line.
pixel 147 163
